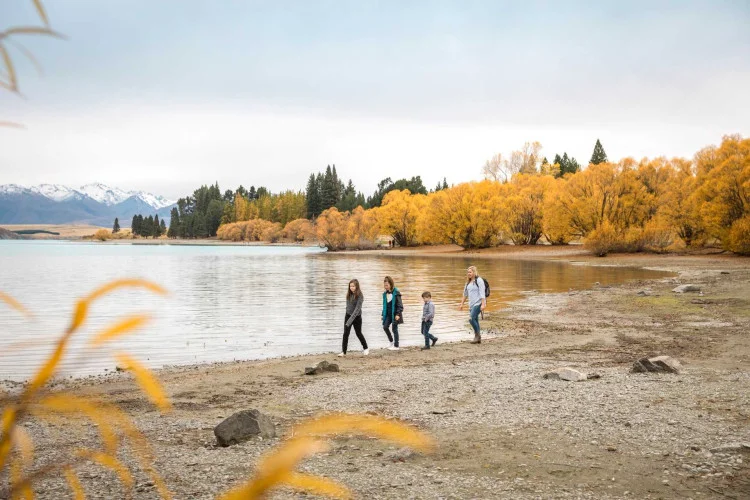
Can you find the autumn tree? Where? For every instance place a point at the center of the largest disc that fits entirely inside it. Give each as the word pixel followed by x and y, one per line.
pixel 331 226
pixel 398 215
pixel 723 177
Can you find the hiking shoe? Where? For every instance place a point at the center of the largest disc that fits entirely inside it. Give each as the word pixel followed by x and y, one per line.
pixel 434 341
pixel 424 348
pixel 366 352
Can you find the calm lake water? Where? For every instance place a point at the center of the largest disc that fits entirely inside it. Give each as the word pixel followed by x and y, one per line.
pixel 244 302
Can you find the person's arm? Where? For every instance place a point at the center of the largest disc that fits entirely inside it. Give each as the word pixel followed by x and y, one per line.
pixel 430 312
pixel 463 299
pixel 357 311
pixel 399 307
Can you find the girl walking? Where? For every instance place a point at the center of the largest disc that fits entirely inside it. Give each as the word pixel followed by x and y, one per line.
pixel 354 300
pixel 393 309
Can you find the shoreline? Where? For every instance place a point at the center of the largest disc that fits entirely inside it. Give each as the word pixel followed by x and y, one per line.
pixel 502 429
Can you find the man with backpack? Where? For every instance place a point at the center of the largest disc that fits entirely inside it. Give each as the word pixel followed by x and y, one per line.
pixel 476 290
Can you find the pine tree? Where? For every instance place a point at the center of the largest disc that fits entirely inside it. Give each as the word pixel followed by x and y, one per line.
pixel 445 183
pixel 598 156
pixel 251 194
pixel 313 197
pixel 148 226
pixel 116 226
pixel 162 227
pixel 134 226
pixel 328 190
pixel 157 227
pixel 174 224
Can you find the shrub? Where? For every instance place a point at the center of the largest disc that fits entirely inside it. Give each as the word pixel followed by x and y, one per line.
pixel 603 240
pixel 299 230
pixel 102 235
pixel 739 236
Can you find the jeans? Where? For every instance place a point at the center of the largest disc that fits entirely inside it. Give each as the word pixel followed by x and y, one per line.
pixel 357 324
pixel 474 317
pixel 388 321
pixel 426 332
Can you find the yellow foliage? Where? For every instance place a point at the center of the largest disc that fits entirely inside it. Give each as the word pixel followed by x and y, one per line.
pixel 250 230
pixel 299 230
pixel 102 235
pixel 330 228
pixel 739 236
pixel 399 214
pixel 362 228
pixel 34 401
pixel 146 381
pixel 603 240
pixel 724 186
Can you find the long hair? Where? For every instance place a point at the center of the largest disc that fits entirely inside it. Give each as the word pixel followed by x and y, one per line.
pixel 476 273
pixel 390 282
pixel 356 293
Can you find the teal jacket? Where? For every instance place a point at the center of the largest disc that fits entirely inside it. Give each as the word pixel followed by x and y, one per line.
pixel 397 306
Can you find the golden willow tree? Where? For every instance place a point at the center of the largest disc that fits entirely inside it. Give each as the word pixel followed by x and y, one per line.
pixel 629 206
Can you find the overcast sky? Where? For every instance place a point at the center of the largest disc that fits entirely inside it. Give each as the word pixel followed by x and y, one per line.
pixel 164 95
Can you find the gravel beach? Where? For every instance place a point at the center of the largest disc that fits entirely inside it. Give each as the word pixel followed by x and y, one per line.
pixel 502 429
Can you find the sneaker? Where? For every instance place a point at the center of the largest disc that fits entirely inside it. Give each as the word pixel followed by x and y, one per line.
pixel 424 348
pixel 341 354
pixel 393 348
pixel 366 352
pixel 390 345
pixel 434 341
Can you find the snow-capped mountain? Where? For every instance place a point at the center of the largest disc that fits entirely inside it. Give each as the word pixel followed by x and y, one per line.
pixel 92 203
pixel 99 192
pixel 105 194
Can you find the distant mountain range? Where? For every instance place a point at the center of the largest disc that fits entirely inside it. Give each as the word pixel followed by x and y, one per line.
pixel 96 204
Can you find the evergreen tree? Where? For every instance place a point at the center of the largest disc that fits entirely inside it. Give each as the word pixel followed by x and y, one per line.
pixel 228 196
pixel 328 189
pixel 445 183
pixel 598 156
pixel 262 192
pixel 157 227
pixel 116 226
pixel 348 200
pixel 251 194
pixel 213 216
pixel 163 227
pixel 174 224
pixel 313 197
pixel 242 191
pixel 134 225
pixel 148 227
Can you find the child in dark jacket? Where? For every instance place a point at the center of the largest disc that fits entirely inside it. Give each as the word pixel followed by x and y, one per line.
pixel 393 309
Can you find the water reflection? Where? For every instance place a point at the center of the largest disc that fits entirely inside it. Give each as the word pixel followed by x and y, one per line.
pixel 248 302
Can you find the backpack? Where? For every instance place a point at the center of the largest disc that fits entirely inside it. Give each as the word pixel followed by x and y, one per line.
pixel 486 286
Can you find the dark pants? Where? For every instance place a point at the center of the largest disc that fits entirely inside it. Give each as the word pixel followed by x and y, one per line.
pixel 387 322
pixel 357 324
pixel 426 332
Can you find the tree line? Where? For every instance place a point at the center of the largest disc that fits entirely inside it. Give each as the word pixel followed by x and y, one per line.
pixel 648 205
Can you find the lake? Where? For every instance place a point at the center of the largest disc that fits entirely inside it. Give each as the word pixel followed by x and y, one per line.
pixel 245 302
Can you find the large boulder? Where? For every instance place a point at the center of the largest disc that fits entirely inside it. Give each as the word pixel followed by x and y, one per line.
pixel 323 366
pixel 659 364
pixel 242 426
pixel 686 288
